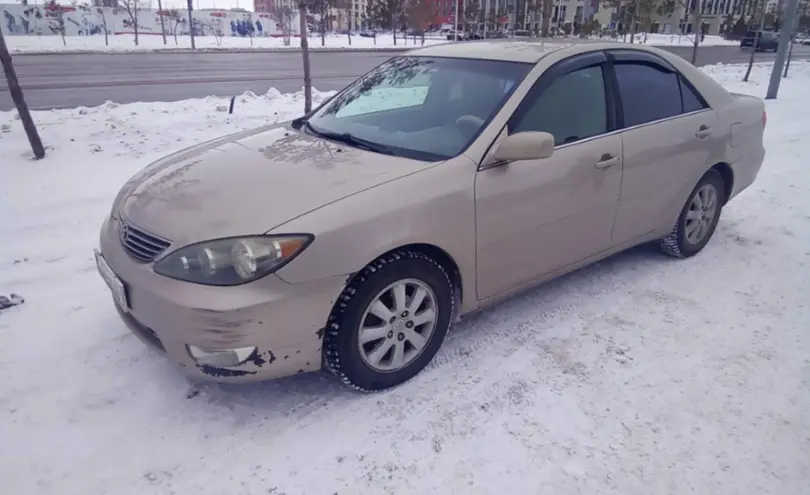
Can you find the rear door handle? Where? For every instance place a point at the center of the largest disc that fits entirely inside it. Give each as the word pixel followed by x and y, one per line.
pixel 703 132
pixel 607 161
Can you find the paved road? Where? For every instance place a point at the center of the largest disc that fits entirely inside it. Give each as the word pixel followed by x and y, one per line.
pixel 70 80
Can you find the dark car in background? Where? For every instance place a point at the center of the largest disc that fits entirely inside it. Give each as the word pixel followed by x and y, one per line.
pixel 760 41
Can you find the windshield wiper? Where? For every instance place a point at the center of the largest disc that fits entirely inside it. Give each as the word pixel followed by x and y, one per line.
pixel 350 139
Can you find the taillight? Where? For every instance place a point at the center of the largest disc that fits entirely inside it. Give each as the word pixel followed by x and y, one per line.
pixel 764 118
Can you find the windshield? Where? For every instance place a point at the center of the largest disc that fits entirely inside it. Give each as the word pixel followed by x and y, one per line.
pixel 420 107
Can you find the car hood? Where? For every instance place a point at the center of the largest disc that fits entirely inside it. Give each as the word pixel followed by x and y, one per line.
pixel 249 183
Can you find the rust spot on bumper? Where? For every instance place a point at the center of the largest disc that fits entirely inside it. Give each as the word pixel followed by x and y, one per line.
pixel 223 372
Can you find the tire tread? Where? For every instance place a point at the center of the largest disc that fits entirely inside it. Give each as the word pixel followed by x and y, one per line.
pixel 333 325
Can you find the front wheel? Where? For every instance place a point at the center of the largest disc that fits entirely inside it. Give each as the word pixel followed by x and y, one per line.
pixel 698 219
pixel 390 321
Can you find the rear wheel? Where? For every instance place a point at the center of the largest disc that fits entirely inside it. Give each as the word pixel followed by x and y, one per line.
pixel 698 219
pixel 390 321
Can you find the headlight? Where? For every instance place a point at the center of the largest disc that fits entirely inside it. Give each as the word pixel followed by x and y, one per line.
pixel 232 261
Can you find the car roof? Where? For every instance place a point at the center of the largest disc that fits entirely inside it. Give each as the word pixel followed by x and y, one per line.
pixel 529 51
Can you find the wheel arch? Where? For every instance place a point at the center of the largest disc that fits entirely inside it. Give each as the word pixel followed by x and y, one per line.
pixel 727 174
pixel 440 255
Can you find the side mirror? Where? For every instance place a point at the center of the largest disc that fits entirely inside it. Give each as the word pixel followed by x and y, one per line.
pixel 527 145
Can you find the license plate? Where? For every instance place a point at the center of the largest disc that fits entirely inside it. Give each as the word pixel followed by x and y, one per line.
pixel 113 282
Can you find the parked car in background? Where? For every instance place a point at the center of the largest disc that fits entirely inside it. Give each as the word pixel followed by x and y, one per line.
pixel 760 41
pixel 437 184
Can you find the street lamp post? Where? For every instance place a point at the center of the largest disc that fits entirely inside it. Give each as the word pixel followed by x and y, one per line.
pixel 781 54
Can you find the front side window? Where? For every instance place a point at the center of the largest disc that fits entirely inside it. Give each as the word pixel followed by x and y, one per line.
pixel 648 93
pixel 572 108
pixel 421 107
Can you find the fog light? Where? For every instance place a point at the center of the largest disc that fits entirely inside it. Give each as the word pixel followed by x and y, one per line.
pixel 220 358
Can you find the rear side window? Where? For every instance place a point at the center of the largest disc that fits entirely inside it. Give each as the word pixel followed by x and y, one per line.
pixel 691 101
pixel 648 93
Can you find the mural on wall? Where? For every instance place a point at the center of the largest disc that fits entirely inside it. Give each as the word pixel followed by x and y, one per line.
pixel 36 20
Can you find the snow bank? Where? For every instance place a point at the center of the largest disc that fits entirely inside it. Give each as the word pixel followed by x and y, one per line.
pixel 126 43
pixel 657 39
pixel 639 375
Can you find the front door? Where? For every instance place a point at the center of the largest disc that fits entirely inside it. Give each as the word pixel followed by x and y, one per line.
pixel 534 217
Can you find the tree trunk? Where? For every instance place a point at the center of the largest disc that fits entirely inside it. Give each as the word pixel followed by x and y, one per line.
pixel 756 42
pixel 394 28
pixel 190 24
pixel 162 27
pixel 323 23
pixel 546 27
pixel 135 27
pixel 633 22
pixel 302 15
pixel 696 28
pixel 19 100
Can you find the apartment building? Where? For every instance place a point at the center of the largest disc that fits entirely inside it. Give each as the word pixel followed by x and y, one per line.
pixel 715 15
pixel 520 14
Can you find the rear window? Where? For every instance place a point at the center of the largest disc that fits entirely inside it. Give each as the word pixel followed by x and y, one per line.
pixel 750 34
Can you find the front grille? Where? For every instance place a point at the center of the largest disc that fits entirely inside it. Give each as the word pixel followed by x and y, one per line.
pixel 139 244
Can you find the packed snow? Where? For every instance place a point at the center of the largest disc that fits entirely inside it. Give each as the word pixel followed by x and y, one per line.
pixel 126 42
pixel 639 375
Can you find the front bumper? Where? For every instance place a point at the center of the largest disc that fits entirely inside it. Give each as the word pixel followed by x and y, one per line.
pixel 283 321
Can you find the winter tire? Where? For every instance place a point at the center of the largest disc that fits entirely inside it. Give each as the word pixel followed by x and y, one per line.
pixel 390 321
pixel 698 219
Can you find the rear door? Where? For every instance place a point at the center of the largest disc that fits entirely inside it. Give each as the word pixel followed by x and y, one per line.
pixel 669 136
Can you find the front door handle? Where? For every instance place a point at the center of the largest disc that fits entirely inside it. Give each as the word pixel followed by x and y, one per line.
pixel 703 132
pixel 607 161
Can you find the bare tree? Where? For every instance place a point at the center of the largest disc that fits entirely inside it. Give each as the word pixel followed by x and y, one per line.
pixel 546 9
pixel 249 27
pixel 695 12
pixel 103 15
pixel 637 13
pixel 162 26
pixel 133 8
pixel 302 16
pixel 472 12
pixel 324 7
pixel 217 30
pixel 387 13
pixel 419 13
pixel 175 19
pixel 762 4
pixel 19 100
pixel 284 16
pixel 56 18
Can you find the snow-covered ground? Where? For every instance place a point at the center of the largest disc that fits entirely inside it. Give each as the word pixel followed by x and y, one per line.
pixel 639 375
pixel 126 43
pixel 675 40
